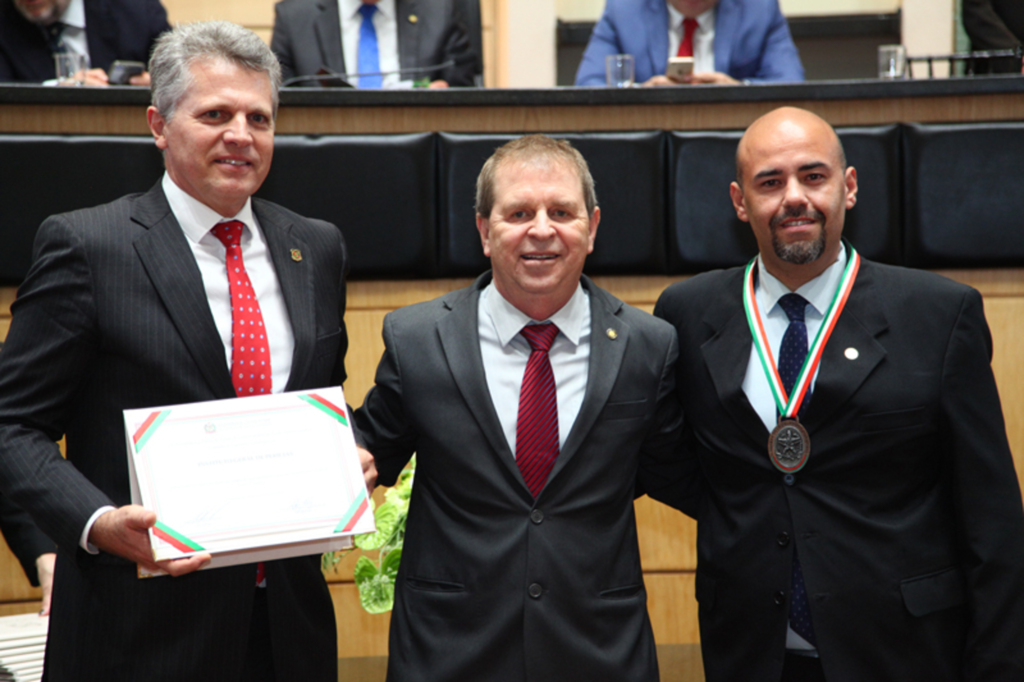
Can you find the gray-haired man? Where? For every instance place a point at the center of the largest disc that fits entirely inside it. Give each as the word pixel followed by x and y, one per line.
pixel 128 305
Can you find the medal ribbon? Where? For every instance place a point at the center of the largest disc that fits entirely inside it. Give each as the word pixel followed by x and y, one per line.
pixel 789 405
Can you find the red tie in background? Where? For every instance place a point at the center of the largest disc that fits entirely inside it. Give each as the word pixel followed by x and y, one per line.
pixel 250 353
pixel 686 45
pixel 537 424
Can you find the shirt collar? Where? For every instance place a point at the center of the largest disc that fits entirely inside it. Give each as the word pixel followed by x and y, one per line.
pixel 819 292
pixel 74 15
pixel 705 20
pixel 350 8
pixel 509 320
pixel 195 217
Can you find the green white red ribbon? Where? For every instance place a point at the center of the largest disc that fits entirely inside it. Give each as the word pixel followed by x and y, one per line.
pixel 789 405
pixel 325 406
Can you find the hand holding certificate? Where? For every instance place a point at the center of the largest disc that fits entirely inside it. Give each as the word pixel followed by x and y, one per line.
pixel 251 479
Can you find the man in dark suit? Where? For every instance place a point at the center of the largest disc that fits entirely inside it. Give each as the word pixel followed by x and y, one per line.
pixel 533 400
pixel 102 30
pixel 35 552
pixel 408 34
pixel 994 25
pixel 730 41
pixel 875 530
pixel 128 305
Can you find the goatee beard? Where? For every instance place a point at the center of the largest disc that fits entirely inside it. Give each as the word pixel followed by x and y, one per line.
pixel 799 253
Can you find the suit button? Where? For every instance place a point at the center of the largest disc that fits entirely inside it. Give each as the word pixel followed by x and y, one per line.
pixel 537 516
pixel 780 598
pixel 783 539
pixel 536 590
pixel 789 479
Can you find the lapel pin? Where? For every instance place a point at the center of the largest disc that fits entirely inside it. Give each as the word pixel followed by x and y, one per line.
pixel 612 334
pixel 851 353
pixel 413 18
pixel 296 255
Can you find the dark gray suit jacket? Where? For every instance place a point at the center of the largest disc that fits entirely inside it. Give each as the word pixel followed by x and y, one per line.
pixel 307 38
pixel 493 584
pixel 113 315
pixel 907 516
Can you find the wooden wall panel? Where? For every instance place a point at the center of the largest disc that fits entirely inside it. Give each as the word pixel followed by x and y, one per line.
pixel 250 13
pixel 673 608
pixel 359 633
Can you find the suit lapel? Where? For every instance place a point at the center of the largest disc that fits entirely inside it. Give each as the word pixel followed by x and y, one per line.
pixel 328 35
pixel 606 356
pixel 408 36
pixel 295 278
pixel 727 354
pixel 656 26
pixel 171 265
pixel 857 329
pixel 459 334
pixel 725 20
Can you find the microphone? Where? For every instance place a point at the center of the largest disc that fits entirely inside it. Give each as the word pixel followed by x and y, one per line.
pixel 329 78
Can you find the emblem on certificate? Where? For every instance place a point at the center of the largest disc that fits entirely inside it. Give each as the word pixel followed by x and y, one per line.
pixel 789 446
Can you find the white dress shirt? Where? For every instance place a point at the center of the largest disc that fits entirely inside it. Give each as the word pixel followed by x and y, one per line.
pixel 768 290
pixel 385 22
pixel 74 31
pixel 505 352
pixel 196 220
pixel 703 38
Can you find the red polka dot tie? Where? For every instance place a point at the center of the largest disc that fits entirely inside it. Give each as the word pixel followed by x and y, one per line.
pixel 250 352
pixel 537 423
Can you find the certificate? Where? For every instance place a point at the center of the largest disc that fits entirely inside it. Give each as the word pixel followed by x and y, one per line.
pixel 248 479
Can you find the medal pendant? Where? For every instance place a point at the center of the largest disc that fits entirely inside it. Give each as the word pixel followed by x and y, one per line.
pixel 789 446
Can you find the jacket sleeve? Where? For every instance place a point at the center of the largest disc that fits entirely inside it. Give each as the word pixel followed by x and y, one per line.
pixel 780 60
pixel 987 501
pixel 24 538
pixel 604 41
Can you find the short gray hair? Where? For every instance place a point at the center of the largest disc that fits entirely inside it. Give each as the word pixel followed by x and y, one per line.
pixel 528 148
pixel 178 49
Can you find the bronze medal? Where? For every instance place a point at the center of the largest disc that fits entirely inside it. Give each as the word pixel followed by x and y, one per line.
pixel 789 446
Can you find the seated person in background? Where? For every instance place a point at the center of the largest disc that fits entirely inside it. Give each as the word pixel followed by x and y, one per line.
pixel 370 36
pixel 35 551
pixel 995 25
pixel 102 30
pixel 730 41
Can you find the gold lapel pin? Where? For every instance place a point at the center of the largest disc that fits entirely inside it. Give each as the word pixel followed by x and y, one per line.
pixel 612 334
pixel 413 18
pixel 851 353
pixel 296 255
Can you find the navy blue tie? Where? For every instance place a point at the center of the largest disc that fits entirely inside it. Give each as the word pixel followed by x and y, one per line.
pixel 792 353
pixel 369 55
pixel 54 34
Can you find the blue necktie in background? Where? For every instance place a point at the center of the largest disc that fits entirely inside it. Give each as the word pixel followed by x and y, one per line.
pixel 369 55
pixel 792 354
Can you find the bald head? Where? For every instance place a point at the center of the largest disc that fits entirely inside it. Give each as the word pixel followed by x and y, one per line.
pixel 782 126
pixel 793 186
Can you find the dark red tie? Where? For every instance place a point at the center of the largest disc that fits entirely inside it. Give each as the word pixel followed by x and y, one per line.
pixel 686 45
pixel 537 424
pixel 250 352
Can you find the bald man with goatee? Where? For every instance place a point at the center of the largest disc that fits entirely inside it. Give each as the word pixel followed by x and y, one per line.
pixel 861 517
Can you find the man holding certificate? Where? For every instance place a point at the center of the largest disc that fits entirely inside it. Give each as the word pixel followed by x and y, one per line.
pixel 534 401
pixel 861 517
pixel 131 305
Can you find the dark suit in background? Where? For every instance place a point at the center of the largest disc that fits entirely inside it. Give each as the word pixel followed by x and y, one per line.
pixel 995 25
pixel 24 538
pixel 114 29
pixel 307 38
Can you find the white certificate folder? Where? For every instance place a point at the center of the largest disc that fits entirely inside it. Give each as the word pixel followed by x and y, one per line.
pixel 249 479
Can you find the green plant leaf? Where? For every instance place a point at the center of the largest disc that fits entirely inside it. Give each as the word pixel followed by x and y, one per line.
pixel 387 518
pixel 376 590
pixel 389 565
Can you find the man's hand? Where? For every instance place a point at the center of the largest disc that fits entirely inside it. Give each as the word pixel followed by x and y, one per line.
pixel 96 77
pixel 437 84
pixel 369 468
pixel 141 79
pixel 44 569
pixel 123 532
pixel 711 78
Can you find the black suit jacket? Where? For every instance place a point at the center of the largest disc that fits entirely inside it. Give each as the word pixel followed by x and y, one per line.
pixel 24 538
pixel 113 315
pixel 114 29
pixel 907 515
pixel 307 37
pixel 493 584
pixel 994 25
